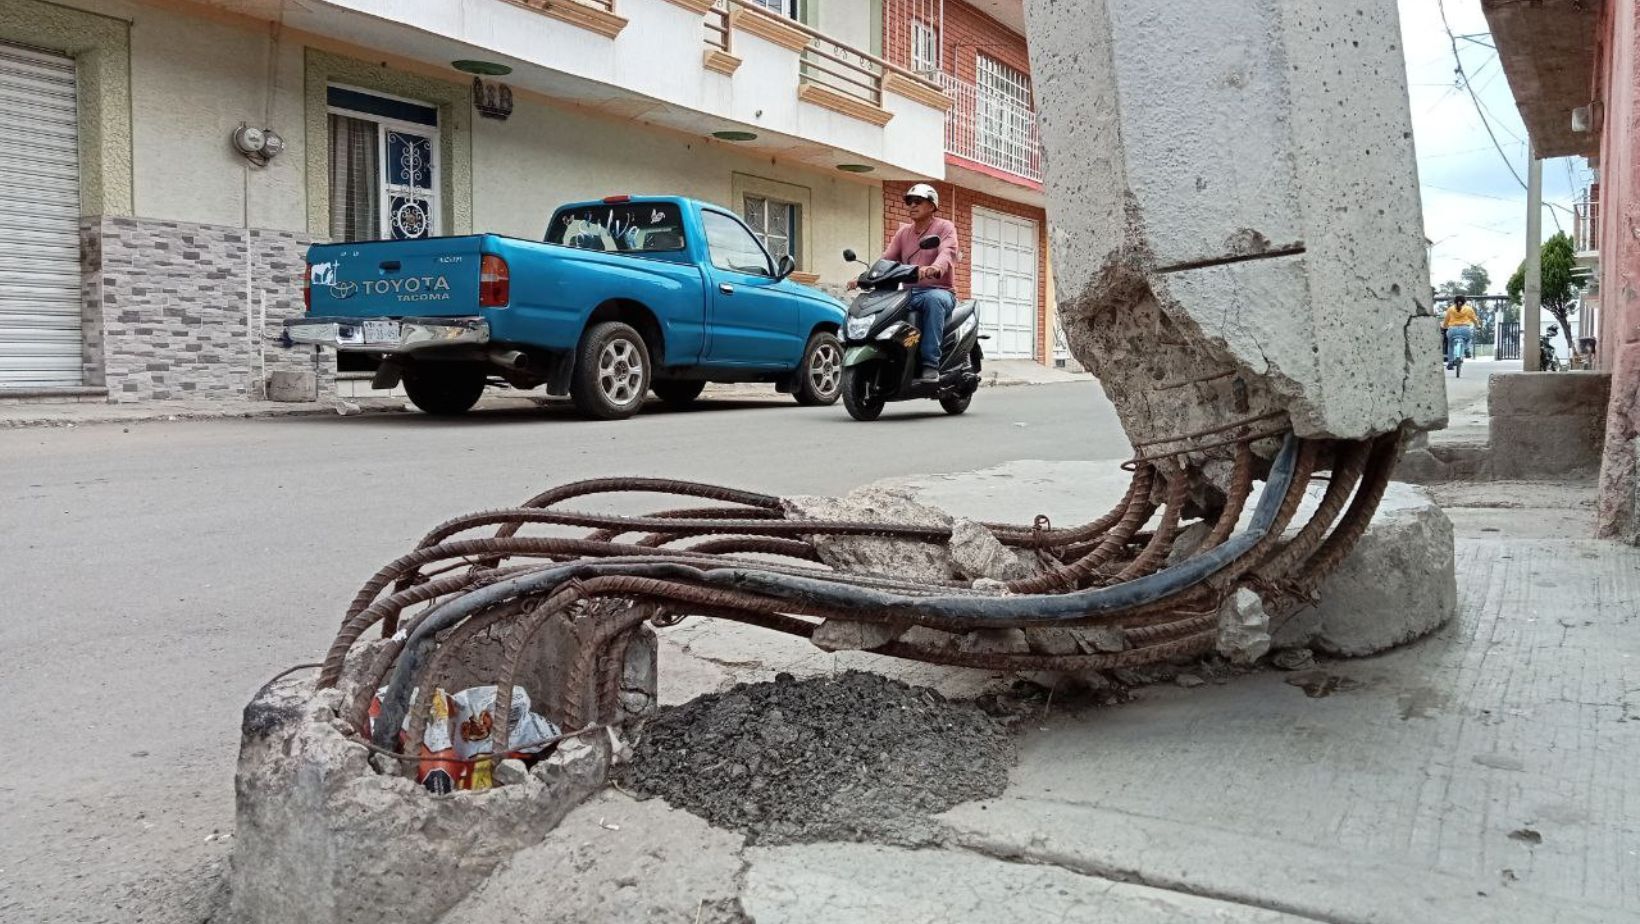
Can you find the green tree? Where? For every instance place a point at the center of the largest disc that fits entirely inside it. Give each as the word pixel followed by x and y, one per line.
pixel 1473 281
pixel 1559 293
pixel 1476 280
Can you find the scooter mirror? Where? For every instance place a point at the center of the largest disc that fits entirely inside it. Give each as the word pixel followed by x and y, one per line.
pixel 848 255
pixel 931 242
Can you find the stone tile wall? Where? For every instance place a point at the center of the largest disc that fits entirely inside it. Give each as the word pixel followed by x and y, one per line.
pixel 178 310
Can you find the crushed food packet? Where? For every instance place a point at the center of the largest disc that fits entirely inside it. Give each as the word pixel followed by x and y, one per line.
pixel 455 750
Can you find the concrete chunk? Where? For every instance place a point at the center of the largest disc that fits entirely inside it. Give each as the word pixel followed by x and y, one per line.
pixel 1398 584
pixel 901 558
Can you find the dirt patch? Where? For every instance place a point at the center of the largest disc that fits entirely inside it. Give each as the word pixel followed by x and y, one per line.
pixel 853 756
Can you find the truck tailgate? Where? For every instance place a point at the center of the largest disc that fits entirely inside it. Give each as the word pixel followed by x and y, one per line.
pixel 434 277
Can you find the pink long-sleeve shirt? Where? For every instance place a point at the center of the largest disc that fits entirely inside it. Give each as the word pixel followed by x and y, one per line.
pixel 903 248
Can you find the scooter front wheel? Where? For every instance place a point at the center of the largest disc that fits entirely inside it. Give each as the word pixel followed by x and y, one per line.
pixel 857 395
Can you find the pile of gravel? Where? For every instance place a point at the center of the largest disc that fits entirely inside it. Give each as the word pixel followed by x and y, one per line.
pixel 845 757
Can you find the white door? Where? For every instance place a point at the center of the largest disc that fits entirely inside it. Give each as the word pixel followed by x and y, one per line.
pixel 40 342
pixel 1003 280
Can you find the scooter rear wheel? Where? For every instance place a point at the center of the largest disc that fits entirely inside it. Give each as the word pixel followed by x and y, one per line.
pixel 856 387
pixel 955 404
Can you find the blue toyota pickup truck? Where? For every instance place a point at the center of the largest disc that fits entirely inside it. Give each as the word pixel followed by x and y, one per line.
pixel 626 295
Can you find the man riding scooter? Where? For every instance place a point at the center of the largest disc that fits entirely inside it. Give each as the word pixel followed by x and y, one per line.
pixel 933 295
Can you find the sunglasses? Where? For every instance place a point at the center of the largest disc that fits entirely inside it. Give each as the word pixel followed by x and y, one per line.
pixel 913 200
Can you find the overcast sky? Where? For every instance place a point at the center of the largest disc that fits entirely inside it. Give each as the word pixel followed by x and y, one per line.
pixel 1474 209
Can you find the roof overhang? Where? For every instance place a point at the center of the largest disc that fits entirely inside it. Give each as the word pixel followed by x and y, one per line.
pixel 1547 48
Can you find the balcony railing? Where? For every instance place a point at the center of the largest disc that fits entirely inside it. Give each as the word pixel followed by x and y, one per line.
pixel 1586 222
pixel 991 130
pixel 845 77
pixel 717 26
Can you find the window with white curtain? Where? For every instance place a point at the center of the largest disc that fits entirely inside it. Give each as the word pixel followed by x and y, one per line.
pixel 925 47
pixel 787 8
pixel 384 171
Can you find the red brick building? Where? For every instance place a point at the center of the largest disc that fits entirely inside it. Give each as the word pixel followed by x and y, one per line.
pixel 992 188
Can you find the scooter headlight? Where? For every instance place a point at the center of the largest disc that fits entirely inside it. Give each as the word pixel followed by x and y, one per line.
pixel 858 328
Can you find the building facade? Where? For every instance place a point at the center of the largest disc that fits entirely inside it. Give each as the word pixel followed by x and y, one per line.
pixel 993 163
pixel 165 163
pixel 1574 70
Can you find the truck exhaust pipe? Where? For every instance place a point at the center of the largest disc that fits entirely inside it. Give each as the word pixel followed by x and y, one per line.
pixel 510 359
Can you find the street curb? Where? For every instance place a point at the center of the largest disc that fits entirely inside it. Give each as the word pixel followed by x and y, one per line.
pixel 374 406
pixel 345 407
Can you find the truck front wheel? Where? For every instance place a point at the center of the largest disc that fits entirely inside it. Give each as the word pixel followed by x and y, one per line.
pixel 444 391
pixel 611 372
pixel 821 378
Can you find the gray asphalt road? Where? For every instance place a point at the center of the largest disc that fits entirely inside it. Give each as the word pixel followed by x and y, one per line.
pixel 153 576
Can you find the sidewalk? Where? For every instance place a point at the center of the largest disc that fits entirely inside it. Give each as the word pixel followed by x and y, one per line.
pixel 1001 373
pixel 1481 774
pixel 1467 411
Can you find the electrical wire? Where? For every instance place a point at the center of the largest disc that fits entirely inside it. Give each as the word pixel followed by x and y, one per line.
pixel 1463 79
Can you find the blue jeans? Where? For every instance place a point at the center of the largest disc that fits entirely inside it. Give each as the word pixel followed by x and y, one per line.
pixel 1457 342
pixel 933 306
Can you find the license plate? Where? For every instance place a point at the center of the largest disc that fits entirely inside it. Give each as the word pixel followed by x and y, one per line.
pixel 381 332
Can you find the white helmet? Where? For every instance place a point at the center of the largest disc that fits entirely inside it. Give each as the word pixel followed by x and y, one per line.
pixel 924 191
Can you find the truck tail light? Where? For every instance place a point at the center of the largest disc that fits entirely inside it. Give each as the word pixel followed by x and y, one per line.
pixel 307 288
pixel 494 282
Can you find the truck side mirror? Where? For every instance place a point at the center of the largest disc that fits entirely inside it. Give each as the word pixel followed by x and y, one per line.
pixel 849 256
pixel 931 242
pixel 785 267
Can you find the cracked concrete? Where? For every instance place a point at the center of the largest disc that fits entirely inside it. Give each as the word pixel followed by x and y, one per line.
pixel 870 883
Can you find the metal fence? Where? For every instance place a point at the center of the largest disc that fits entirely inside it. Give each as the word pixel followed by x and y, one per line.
pixel 1508 345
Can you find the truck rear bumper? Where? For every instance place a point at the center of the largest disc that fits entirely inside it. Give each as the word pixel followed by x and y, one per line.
pixel 388 335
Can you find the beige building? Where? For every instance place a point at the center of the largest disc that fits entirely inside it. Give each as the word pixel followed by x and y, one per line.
pixel 164 164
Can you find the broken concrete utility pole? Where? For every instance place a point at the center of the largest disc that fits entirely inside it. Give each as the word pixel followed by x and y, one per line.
pixel 1240 259
pixel 1531 311
pixel 1236 224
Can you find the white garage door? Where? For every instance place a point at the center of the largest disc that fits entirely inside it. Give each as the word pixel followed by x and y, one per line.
pixel 39 221
pixel 1004 282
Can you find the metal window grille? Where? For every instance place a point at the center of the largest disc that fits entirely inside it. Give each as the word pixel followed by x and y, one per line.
pixel 777 225
pixel 1003 117
pixel 912 36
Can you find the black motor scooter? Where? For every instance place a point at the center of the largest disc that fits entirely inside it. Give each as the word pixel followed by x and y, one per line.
pixel 1548 359
pixel 880 344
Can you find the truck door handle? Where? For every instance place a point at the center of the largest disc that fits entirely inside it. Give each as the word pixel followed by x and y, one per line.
pixel 391 266
pixel 726 289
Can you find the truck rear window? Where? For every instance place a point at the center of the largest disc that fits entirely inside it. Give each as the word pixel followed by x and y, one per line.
pixel 631 227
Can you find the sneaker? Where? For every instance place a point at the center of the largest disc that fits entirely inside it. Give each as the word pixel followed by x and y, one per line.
pixel 929 377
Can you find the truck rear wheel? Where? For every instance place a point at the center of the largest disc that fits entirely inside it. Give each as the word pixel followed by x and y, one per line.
pixel 444 391
pixel 611 372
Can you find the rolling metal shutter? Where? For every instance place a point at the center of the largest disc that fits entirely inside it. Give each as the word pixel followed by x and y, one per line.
pixel 40 339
